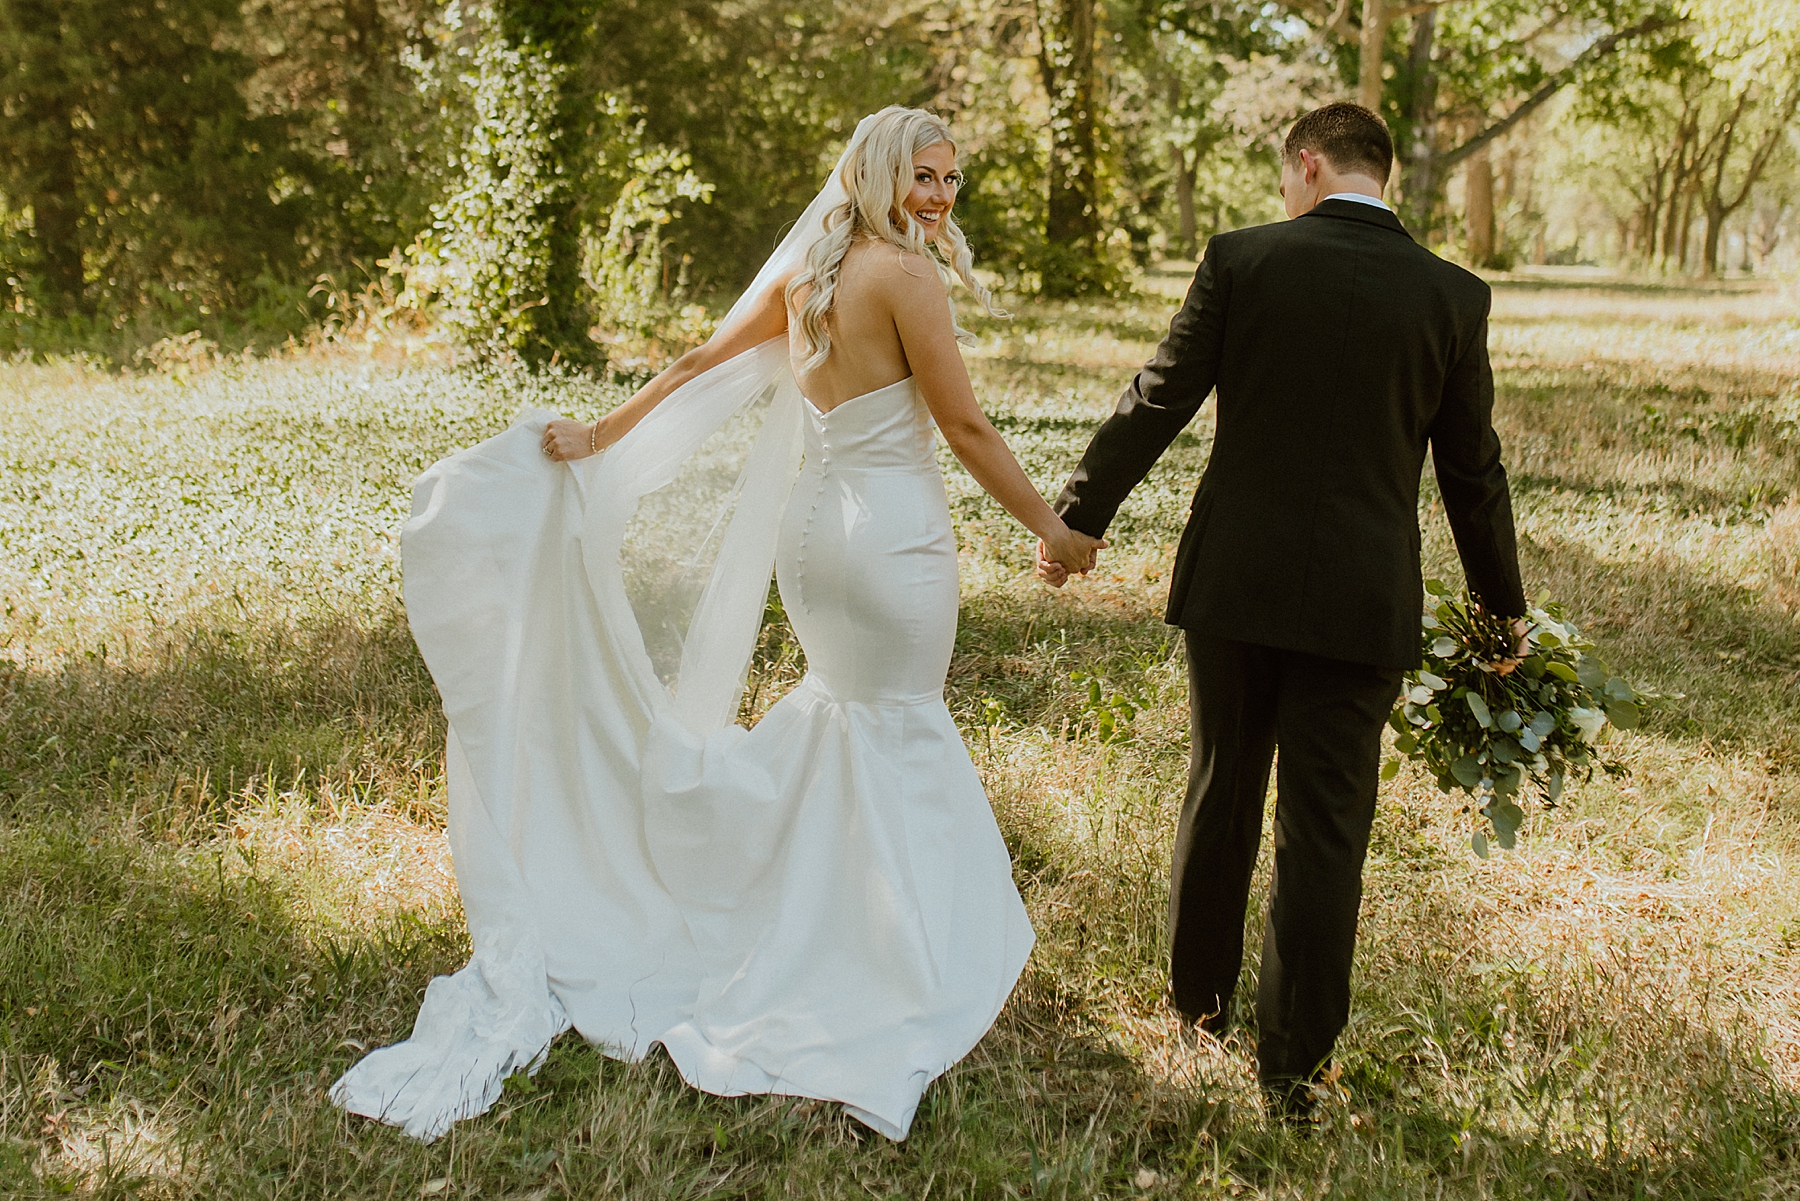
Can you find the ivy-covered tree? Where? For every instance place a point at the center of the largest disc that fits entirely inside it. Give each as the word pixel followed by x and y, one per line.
pixel 486 256
pixel 555 33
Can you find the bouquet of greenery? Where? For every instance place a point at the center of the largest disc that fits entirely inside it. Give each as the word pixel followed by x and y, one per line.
pixel 1487 721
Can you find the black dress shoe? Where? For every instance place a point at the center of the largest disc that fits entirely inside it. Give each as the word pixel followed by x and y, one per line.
pixel 1214 1024
pixel 1291 1100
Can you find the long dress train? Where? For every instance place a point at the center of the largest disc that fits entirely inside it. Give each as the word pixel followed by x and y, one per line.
pixel 821 906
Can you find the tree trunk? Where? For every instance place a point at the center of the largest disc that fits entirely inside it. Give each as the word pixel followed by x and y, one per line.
pixel 1671 210
pixel 1712 204
pixel 1503 200
pixel 1184 163
pixel 1478 208
pixel 1709 243
pixel 1186 166
pixel 1072 223
pixel 1419 186
pixel 1376 19
pixel 45 150
pixel 1652 213
pixel 1685 229
pixel 56 220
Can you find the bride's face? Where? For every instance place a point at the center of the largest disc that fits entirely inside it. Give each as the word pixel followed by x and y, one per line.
pixel 935 180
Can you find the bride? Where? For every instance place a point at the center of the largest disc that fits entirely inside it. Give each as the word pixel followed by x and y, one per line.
pixel 821 906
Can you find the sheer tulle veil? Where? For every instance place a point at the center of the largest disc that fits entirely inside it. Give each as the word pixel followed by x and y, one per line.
pixel 698 569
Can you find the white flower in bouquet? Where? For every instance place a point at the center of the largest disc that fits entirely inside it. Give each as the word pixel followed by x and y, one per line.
pixel 1589 721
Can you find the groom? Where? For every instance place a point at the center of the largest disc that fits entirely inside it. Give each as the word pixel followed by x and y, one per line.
pixel 1340 349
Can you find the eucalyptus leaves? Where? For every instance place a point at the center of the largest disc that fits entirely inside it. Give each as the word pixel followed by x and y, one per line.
pixel 1487 723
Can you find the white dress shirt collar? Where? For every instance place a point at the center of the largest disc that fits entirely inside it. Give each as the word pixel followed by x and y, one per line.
pixel 1359 198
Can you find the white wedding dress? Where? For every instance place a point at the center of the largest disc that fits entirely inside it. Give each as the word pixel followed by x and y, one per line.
pixel 821 906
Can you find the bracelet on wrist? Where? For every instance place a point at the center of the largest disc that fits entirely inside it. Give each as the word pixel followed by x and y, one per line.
pixel 594 438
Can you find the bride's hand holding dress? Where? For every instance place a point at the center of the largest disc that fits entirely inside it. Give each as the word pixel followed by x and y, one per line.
pixel 763 320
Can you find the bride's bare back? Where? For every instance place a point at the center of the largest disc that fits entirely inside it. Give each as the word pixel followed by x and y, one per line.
pixel 866 351
pixel 890 319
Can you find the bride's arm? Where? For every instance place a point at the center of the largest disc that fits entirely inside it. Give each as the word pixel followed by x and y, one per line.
pixel 768 319
pixel 928 337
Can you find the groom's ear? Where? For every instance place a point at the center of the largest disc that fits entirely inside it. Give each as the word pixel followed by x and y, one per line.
pixel 1310 161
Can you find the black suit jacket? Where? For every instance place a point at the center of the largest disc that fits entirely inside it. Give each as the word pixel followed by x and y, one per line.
pixel 1340 348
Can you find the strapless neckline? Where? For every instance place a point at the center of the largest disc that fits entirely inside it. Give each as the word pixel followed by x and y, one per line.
pixel 813 405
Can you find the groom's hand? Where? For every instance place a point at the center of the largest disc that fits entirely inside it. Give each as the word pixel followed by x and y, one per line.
pixel 1076 553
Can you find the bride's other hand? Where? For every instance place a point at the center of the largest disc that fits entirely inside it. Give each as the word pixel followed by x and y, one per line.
pixel 565 440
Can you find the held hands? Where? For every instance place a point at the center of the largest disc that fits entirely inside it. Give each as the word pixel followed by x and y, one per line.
pixel 565 440
pixel 1069 553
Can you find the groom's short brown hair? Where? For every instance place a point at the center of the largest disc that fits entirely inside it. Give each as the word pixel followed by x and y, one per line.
pixel 1353 138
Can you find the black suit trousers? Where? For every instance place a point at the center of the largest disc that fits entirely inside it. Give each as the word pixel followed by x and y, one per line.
pixel 1326 716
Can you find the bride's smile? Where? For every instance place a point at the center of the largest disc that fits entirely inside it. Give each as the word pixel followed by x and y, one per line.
pixel 935 181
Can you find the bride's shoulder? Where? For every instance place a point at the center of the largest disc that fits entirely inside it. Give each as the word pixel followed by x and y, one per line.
pixel 893 269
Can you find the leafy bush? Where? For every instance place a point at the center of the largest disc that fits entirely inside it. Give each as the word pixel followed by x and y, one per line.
pixel 643 315
pixel 486 257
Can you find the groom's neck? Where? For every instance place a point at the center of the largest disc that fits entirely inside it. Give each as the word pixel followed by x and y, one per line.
pixel 1333 183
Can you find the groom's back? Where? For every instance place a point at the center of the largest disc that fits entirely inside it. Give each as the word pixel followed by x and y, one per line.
pixel 1339 341
pixel 1340 349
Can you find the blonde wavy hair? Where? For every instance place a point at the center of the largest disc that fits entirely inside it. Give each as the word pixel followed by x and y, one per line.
pixel 877 175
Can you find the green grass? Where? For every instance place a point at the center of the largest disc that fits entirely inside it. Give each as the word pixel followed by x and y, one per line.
pixel 223 873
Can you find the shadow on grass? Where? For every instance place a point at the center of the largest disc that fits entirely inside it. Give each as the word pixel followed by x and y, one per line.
pixel 1678 498
pixel 1731 657
pixel 153 970
pixel 1583 1068
pixel 217 703
pixel 1630 287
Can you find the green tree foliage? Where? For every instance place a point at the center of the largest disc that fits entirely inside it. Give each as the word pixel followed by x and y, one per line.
pixel 176 163
pixel 1208 94
pixel 1688 127
pixel 149 181
pixel 761 96
pixel 170 165
pixel 1492 63
pixel 371 151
